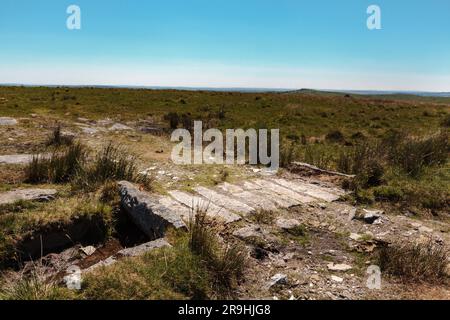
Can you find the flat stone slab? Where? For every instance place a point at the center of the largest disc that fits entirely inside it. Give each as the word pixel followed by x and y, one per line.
pixel 129 252
pixel 7 121
pixel 16 159
pixel 278 198
pixel 224 201
pixel 177 208
pixel 284 191
pixel 308 189
pixel 146 211
pixel 198 203
pixel 143 248
pixel 258 201
pixel 27 194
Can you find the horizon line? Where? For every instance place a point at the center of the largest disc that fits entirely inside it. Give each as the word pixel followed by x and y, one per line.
pixel 225 89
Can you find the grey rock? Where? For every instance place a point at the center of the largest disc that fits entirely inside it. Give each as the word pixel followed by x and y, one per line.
pixel 248 232
pixel 129 252
pixel 370 216
pixel 224 201
pixel 89 130
pixel 199 203
pixel 309 189
pixel 89 250
pixel 16 159
pixel 287 224
pixel 146 211
pixel 278 279
pixel 7 121
pixel 119 127
pixel 143 248
pixel 338 267
pixel 27 194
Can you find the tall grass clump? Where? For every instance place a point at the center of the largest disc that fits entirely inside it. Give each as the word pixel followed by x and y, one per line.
pixel 58 167
pixel 112 163
pixel 227 264
pixel 57 138
pixel 365 161
pixel 414 154
pixel 415 262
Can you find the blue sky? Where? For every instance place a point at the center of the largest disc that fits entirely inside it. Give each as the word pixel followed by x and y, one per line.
pixel 321 44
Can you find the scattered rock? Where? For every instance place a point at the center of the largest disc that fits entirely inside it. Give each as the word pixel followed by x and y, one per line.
pixel 278 279
pixel 143 248
pixel 89 130
pixel 7 121
pixel 27 194
pixel 336 278
pixel 370 216
pixel 355 236
pixel 315 278
pixel 338 267
pixel 16 159
pixel 287 224
pixel 425 229
pixel 248 232
pixel 119 127
pixel 89 250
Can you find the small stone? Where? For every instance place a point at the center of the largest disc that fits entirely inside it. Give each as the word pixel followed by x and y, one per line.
pixel 248 232
pixel 7 121
pixel 425 229
pixel 287 224
pixel 278 279
pixel 89 250
pixel 336 278
pixel 355 236
pixel 119 127
pixel 370 216
pixel 351 214
pixel 315 277
pixel 338 267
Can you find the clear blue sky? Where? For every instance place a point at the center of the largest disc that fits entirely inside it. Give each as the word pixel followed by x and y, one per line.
pixel 228 43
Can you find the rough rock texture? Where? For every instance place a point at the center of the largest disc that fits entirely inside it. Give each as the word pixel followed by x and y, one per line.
pixel 146 211
pixel 224 201
pixel 143 248
pixel 199 203
pixel 27 194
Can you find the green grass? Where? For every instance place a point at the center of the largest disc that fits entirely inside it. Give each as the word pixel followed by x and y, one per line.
pixel 315 127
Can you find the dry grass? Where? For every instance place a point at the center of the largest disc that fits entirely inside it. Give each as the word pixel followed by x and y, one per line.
pixel 424 262
pixel 227 264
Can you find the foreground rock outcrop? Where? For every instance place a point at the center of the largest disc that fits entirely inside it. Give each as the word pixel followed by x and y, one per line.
pixel 146 211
